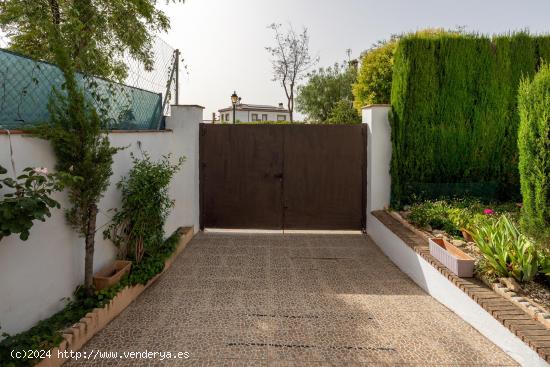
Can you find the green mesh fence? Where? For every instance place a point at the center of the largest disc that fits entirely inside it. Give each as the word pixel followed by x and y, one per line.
pixel 26 86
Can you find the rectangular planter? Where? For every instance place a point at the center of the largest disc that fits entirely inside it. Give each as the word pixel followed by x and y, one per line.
pixel 452 257
pixel 111 274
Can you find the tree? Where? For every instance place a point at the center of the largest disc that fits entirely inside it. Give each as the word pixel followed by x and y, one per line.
pixel 97 34
pixel 534 153
pixel 78 136
pixel 325 88
pixel 344 113
pixel 291 60
pixel 375 75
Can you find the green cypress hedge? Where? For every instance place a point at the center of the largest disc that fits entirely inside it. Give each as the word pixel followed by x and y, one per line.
pixel 534 153
pixel 454 114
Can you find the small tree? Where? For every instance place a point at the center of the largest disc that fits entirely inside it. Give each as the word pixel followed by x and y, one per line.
pixel 534 153
pixel 324 89
pixel 291 60
pixel 78 136
pixel 375 75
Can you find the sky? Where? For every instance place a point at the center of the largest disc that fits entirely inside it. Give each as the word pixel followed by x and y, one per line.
pixel 223 42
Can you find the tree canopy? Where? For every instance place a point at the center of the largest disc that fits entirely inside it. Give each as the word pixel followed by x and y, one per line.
pixel 325 89
pixel 375 75
pixel 97 34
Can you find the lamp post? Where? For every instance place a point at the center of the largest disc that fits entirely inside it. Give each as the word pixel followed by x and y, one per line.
pixel 234 99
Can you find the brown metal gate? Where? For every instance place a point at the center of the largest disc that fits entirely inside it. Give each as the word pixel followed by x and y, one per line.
pixel 283 176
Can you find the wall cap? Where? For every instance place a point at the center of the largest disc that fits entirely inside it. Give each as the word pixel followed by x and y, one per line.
pixel 187 105
pixel 375 105
pixel 29 132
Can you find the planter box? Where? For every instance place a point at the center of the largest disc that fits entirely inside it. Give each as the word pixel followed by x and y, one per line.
pixel 452 257
pixel 111 274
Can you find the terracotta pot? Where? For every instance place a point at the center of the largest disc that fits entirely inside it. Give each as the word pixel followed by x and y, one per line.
pixel 111 274
pixel 452 257
pixel 467 235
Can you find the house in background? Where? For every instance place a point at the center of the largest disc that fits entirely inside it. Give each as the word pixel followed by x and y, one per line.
pixel 254 112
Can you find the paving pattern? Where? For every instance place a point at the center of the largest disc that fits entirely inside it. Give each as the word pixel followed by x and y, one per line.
pixel 290 300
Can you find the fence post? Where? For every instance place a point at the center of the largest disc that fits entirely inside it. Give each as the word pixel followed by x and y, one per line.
pixel 379 152
pixel 185 123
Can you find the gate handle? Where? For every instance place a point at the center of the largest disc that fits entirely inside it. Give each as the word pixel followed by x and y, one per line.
pixel 278 175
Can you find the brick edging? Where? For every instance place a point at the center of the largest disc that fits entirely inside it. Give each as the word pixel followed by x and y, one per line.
pixel 81 332
pixel 524 325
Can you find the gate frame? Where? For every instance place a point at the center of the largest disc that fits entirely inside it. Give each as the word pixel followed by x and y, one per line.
pixel 364 168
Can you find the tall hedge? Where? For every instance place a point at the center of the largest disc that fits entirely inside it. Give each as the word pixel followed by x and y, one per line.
pixel 454 114
pixel 534 153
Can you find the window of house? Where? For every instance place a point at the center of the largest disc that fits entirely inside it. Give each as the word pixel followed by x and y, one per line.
pixel 222 117
pixel 226 117
pixel 264 117
pixel 281 117
pixel 254 117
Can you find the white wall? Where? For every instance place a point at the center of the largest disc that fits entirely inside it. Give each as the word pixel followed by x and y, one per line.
pixel 35 275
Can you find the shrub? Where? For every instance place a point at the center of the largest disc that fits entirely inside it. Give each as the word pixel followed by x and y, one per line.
pixel 454 114
pixel 375 75
pixel 534 153
pixel 435 215
pixel 145 207
pixel 506 251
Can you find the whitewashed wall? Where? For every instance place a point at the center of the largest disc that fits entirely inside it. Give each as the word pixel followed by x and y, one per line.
pixel 36 275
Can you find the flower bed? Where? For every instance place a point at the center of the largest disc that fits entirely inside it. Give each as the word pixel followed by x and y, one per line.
pixel 499 249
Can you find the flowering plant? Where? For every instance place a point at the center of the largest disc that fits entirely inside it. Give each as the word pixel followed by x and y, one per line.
pixel 488 211
pixel 27 198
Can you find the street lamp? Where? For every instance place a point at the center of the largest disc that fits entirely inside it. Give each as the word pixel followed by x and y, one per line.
pixel 234 99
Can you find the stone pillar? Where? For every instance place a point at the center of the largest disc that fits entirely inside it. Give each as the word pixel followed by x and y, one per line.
pixel 185 122
pixel 379 152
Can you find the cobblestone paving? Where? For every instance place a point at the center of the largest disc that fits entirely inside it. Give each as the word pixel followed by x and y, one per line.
pixel 292 300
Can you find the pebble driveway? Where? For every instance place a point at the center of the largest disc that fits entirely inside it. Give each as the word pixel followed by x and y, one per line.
pixel 288 300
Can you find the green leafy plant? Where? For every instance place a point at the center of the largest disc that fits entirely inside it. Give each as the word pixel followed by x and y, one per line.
pixel 506 251
pixel 98 33
pixel 327 90
pixel 344 113
pixel 138 227
pixel 434 214
pixel 374 79
pixel 47 333
pixel 534 153
pixel 28 198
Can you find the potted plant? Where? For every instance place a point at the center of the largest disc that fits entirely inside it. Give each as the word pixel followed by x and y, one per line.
pixel 452 257
pixel 111 274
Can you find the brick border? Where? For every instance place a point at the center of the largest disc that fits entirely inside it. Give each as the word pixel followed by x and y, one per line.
pixel 81 332
pixel 525 326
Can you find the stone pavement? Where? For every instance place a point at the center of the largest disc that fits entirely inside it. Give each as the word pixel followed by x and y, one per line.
pixel 290 300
